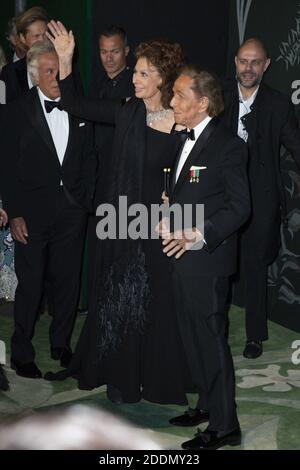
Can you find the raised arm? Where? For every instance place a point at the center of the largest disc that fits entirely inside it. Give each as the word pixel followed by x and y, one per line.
pixel 97 110
pixel 91 109
pixel 64 44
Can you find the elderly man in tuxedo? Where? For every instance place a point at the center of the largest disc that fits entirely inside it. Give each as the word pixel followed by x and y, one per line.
pixel 210 169
pixel 47 187
pixel 265 119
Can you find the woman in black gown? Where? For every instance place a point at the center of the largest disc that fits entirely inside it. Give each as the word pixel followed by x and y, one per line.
pixel 130 340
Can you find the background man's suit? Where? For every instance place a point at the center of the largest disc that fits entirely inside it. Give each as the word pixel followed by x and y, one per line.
pixel 270 123
pixel 55 216
pixel 201 278
pixel 14 76
pixel 119 87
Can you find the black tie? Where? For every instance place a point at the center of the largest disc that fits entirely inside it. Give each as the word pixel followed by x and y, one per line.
pixel 50 105
pixel 184 134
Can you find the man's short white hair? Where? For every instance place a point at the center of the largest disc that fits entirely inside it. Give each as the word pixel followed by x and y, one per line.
pixel 38 49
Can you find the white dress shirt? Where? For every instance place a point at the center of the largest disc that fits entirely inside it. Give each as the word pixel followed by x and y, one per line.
pixel 29 81
pixel 245 108
pixel 58 122
pixel 2 92
pixel 189 144
pixel 16 57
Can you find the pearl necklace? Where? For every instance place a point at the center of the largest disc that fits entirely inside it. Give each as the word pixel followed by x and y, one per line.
pixel 159 115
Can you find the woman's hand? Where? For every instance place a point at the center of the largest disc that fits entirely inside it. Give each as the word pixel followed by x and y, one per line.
pixel 165 198
pixel 64 44
pixel 19 230
pixel 3 218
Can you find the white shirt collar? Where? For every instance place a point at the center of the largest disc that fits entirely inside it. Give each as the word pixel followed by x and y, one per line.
pixel 44 97
pixel 201 126
pixel 15 57
pixel 189 144
pixel 29 81
pixel 251 99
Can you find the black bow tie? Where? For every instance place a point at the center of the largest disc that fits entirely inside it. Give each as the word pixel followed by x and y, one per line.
pixel 189 134
pixel 184 134
pixel 50 105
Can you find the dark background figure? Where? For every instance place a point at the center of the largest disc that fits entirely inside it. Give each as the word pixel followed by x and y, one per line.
pixel 17 47
pixel 47 185
pixel 200 275
pixel 281 41
pixel 205 45
pixel 31 27
pixel 265 119
pixel 115 81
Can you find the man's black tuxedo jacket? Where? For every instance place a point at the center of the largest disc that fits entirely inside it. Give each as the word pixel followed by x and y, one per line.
pixel 30 169
pixel 223 189
pixel 272 122
pixel 15 77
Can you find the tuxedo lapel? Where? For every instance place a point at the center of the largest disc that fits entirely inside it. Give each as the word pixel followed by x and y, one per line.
pixel 72 125
pixel 38 120
pixel 197 149
pixel 175 166
pixel 21 73
pixel 232 108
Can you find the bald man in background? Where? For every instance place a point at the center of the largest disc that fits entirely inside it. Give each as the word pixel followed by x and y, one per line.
pixel 265 119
